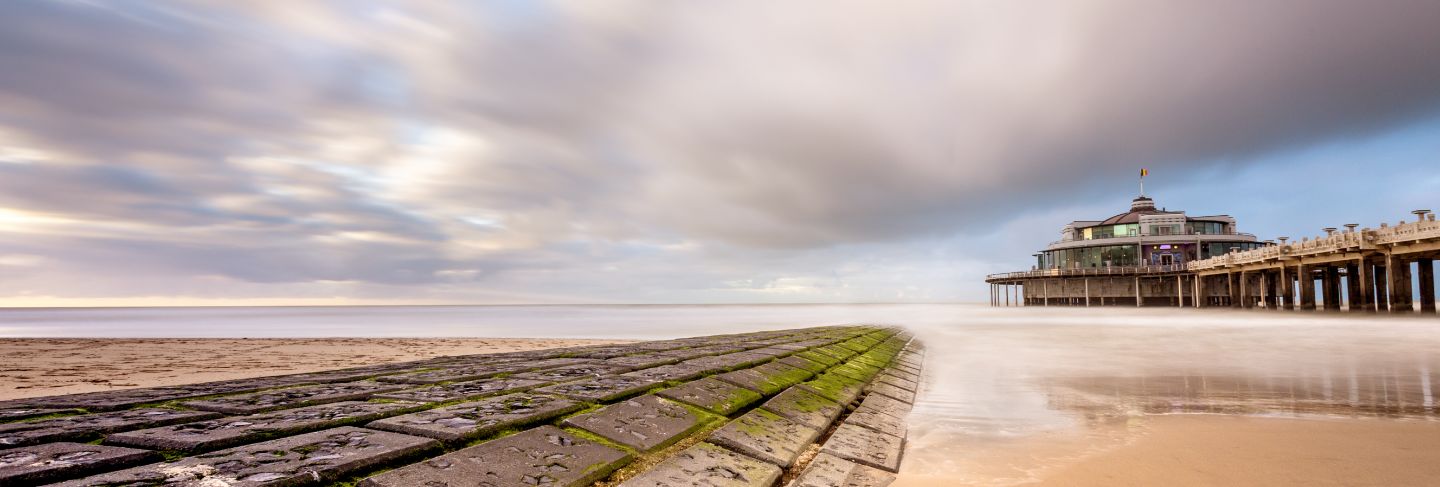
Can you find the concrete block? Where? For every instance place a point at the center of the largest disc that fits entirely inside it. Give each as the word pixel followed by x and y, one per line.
pixel 466 421
pixel 308 459
pixel 828 470
pixel 712 394
pixel 86 426
pixel 257 402
pixel 766 379
pixel 544 456
pixel 710 466
pixel 53 462
pixel 643 423
pixel 456 391
pixel 865 446
pixel 764 435
pixel 802 406
pixel 602 390
pixel 220 433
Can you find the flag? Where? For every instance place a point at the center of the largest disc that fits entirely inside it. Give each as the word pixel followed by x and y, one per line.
pixel 1144 172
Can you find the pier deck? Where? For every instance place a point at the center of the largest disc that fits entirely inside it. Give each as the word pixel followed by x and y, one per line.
pixel 1385 269
pixel 734 410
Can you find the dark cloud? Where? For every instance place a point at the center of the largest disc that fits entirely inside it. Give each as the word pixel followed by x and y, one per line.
pixel 528 143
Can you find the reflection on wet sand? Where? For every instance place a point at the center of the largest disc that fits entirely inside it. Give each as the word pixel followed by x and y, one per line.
pixel 1390 392
pixel 1023 396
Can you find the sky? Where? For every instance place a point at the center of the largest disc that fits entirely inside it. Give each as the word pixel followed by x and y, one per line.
pixel 529 151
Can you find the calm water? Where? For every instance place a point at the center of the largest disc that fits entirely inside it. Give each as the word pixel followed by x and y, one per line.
pixel 1009 392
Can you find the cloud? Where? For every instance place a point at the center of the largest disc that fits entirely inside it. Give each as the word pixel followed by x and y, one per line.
pixel 534 147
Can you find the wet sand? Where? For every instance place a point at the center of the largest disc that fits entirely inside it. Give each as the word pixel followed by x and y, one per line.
pixel 1143 398
pixel 1206 450
pixel 31 367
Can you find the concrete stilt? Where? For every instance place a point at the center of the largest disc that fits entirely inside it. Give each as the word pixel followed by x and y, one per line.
pixel 1306 278
pixel 1353 301
pixel 1087 293
pixel 1265 290
pixel 1287 291
pixel 1366 284
pixel 1401 292
pixel 1427 285
pixel 1245 301
pixel 1179 292
pixel 1138 302
pixel 1382 287
pixel 1330 279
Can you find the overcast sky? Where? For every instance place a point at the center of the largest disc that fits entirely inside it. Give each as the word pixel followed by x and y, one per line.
pixel 616 151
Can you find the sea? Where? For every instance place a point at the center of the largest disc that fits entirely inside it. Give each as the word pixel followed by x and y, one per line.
pixel 996 379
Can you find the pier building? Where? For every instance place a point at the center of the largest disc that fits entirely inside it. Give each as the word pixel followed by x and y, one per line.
pixel 1155 257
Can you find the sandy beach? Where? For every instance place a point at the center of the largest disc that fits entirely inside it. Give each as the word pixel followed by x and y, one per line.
pixel 1211 450
pixel 31 367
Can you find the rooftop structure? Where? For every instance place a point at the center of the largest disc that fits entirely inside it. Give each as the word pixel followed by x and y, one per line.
pixel 1144 236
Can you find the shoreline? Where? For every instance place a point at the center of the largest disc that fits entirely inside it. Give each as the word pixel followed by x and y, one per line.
pixel 33 367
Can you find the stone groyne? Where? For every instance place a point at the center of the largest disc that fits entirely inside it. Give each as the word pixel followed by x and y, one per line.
pixel 807 408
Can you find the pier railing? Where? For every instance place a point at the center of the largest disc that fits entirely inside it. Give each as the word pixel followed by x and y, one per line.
pixel 1346 241
pixel 1090 271
pixel 1343 241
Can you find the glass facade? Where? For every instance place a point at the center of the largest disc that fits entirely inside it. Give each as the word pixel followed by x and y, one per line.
pixel 1100 256
pixel 1205 228
pixel 1132 255
pixel 1108 231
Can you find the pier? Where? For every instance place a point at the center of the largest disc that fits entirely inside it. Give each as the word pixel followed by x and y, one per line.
pixel 1384 269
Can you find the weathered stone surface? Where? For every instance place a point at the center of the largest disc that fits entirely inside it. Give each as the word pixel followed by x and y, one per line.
pixel 712 394
pixel 476 372
pixel 858 345
pixel 643 423
pixel 856 370
pixel 666 373
pixel 865 446
pixel 605 389
pixel 897 381
pixel 127 398
pixel 236 430
pixel 455 391
pixel 642 361
pixel 885 404
pixel 804 407
pixel 257 402
pixel 86 426
pixel 894 392
pixel 838 388
pixel 729 361
pixel 52 462
pixel 308 459
pixel 836 351
pixel 876 420
pixel 572 372
pixel 828 470
pixel 708 465
pixel 543 456
pixel 817 357
pixel 470 420
pixel 766 379
pixel 766 436
pixel 20 412
pixel 803 363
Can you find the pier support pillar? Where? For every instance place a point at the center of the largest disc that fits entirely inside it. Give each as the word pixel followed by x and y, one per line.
pixel 1331 280
pixel 1365 281
pixel 1382 287
pixel 1287 291
pixel 1427 285
pixel 1179 291
pixel 1045 291
pixel 1087 293
pixel 1265 292
pixel 1201 299
pixel 1353 301
pixel 1137 292
pixel 1245 290
pixel 1306 278
pixel 1401 292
